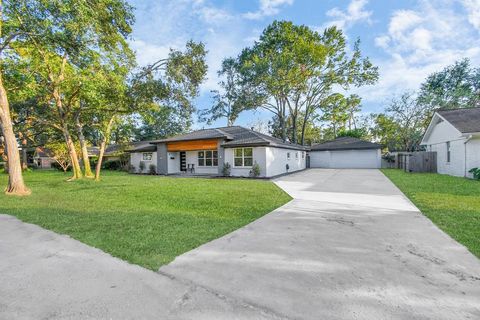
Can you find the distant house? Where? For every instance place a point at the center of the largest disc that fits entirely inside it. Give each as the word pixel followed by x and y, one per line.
pixel 455 136
pixel 346 152
pixel 43 158
pixel 207 151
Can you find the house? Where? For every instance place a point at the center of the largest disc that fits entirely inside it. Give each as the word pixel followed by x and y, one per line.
pixel 206 152
pixel 43 158
pixel 346 152
pixel 455 136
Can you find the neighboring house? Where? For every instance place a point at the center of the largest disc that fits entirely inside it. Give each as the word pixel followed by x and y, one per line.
pixel 207 150
pixel 455 136
pixel 43 158
pixel 346 152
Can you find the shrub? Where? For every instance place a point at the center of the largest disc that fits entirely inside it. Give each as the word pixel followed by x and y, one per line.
pixel 131 168
pixel 475 172
pixel 112 165
pixel 227 169
pixel 152 169
pixel 141 167
pixel 255 172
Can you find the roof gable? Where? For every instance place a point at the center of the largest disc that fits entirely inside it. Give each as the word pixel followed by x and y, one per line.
pixel 465 120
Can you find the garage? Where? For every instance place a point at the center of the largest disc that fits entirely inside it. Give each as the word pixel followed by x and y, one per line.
pixel 346 153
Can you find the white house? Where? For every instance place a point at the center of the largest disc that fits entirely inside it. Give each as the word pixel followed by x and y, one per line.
pixel 206 151
pixel 455 136
pixel 346 152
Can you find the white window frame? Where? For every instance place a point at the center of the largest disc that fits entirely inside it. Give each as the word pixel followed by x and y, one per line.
pixel 288 155
pixel 296 155
pixel 242 157
pixel 303 154
pixel 149 156
pixel 205 158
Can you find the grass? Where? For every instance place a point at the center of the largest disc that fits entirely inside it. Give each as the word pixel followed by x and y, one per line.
pixel 452 203
pixel 146 220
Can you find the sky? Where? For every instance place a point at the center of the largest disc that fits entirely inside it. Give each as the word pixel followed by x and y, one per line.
pixel 406 39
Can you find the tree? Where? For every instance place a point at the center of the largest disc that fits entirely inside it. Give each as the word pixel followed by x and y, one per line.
pixel 16 184
pixel 236 96
pixel 296 69
pixel 60 154
pixel 62 38
pixel 456 86
pixel 401 127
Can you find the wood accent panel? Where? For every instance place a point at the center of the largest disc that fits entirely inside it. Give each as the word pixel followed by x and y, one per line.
pixel 192 145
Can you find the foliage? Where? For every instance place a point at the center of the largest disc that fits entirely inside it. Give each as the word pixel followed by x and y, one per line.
pixel 60 154
pixel 144 220
pixel 475 172
pixel 141 167
pixel 112 165
pixel 152 169
pixel 359 133
pixel 255 172
pixel 295 69
pixel 235 96
pixel 452 203
pixel 226 170
pixel 456 86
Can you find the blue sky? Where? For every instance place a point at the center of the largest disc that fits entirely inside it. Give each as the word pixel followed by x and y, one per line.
pixel 406 39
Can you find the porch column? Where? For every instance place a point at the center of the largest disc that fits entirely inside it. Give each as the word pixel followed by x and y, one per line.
pixel 221 157
pixel 162 158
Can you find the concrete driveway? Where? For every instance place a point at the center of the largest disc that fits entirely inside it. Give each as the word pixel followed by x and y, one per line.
pixel 349 246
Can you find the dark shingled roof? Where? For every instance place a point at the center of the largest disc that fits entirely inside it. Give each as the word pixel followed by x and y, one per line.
pixel 465 120
pixel 142 146
pixel 345 143
pixel 235 136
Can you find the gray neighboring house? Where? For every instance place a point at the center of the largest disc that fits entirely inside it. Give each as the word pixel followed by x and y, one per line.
pixel 455 135
pixel 346 152
pixel 206 151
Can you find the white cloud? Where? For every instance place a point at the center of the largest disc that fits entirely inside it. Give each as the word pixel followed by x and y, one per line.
pixel 267 8
pixel 419 42
pixel 354 13
pixel 473 10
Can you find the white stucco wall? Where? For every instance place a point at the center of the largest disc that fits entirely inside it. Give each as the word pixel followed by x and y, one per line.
pixel 137 157
pixel 277 160
pixel 473 154
pixel 353 159
pixel 442 133
pixel 258 157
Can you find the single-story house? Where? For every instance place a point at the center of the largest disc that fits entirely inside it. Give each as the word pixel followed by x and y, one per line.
pixel 346 152
pixel 43 158
pixel 206 152
pixel 455 136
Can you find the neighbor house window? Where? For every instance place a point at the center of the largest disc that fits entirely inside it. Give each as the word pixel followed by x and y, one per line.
pixel 147 156
pixel 208 158
pixel 303 154
pixel 288 155
pixel 448 151
pixel 296 155
pixel 243 157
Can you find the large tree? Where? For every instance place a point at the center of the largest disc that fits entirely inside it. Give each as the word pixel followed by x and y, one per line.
pixel 456 86
pixel 62 38
pixel 297 70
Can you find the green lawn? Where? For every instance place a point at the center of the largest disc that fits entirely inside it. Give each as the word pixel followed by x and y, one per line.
pixel 452 203
pixel 146 220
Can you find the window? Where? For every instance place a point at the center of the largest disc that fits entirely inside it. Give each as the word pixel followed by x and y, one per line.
pixel 208 158
pixel 296 155
pixel 448 151
pixel 147 156
pixel 303 154
pixel 288 155
pixel 243 157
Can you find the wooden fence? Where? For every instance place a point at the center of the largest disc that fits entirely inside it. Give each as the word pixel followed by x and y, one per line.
pixel 421 161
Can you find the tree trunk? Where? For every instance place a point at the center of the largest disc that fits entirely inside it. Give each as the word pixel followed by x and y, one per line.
pixel 83 146
pixel 16 185
pixel 103 144
pixel 24 158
